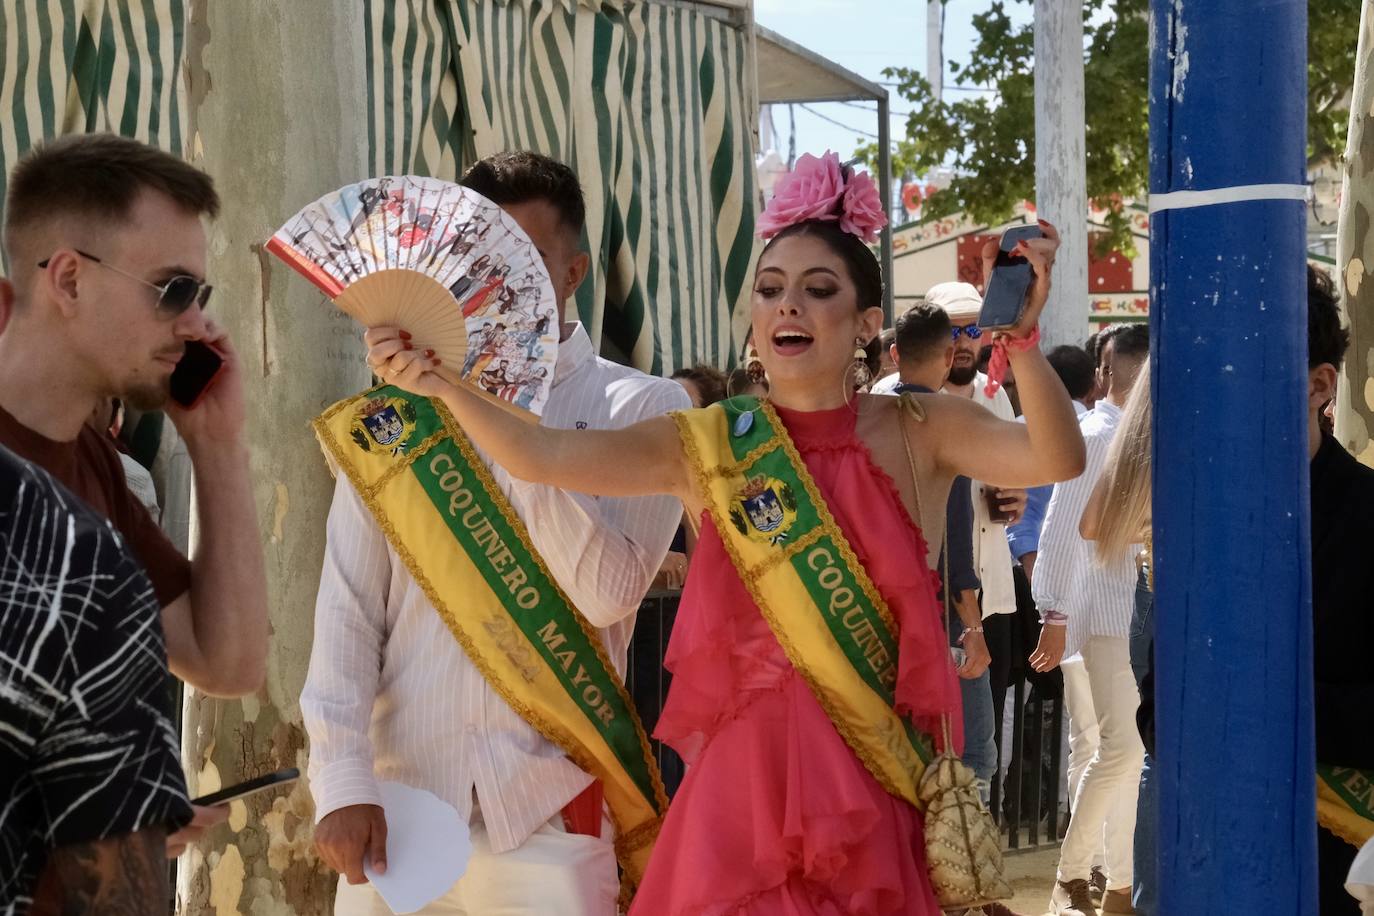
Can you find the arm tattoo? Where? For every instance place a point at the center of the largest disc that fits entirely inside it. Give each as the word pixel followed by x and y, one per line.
pixel 120 876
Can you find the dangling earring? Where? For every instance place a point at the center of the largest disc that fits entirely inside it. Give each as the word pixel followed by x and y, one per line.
pixel 753 366
pixel 861 373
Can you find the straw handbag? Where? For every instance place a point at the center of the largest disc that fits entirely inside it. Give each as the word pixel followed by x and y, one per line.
pixel 963 845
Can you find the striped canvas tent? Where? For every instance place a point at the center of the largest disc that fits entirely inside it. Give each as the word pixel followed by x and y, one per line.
pixel 71 66
pixel 648 101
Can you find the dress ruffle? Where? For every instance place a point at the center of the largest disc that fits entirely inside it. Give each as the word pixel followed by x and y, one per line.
pixel 777 815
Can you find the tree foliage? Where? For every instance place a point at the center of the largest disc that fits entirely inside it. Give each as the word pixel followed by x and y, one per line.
pixel 988 137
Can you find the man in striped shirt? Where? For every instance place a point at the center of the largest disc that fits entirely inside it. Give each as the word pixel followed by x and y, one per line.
pixel 390 694
pixel 1086 608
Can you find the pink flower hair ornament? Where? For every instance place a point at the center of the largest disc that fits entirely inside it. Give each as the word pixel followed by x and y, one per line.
pixel 823 189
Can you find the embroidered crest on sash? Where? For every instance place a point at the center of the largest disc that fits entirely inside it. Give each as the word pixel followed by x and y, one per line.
pixel 384 422
pixel 764 509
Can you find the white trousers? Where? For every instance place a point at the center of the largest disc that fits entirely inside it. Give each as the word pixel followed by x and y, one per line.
pixel 553 872
pixel 1083 734
pixel 1081 737
pixel 1105 803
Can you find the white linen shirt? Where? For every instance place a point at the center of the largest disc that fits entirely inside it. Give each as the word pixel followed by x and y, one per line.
pixel 390 695
pixel 1098 599
pixel 991 555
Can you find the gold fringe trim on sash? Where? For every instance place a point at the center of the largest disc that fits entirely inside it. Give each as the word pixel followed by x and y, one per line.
pixel 644 833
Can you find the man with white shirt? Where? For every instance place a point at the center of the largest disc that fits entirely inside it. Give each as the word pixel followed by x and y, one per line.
pixel 392 695
pixel 1086 609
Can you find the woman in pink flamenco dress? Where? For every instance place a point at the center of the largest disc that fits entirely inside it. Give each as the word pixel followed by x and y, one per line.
pixel 778 815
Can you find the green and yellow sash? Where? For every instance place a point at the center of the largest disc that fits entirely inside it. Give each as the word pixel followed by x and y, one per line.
pixel 1345 802
pixel 463 543
pixel 802 573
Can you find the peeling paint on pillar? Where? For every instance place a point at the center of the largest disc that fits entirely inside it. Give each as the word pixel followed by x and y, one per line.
pixel 276 95
pixel 1355 256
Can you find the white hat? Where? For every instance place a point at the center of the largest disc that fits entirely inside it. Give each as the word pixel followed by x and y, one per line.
pixel 961 301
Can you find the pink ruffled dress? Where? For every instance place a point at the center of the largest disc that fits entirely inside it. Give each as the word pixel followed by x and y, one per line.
pixel 777 815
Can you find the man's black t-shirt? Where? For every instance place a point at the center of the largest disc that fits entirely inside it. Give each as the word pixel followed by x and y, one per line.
pixel 87 748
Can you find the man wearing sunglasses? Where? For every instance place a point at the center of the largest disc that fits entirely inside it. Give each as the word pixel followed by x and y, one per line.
pixel 106 258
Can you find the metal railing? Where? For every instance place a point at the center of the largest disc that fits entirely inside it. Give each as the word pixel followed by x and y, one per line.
pixel 1025 801
pixel 647 680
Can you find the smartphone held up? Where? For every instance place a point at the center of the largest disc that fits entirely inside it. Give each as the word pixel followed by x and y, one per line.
pixel 1004 302
pixel 200 365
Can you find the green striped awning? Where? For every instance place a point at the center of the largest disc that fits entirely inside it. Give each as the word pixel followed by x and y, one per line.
pixel 648 102
pixel 72 66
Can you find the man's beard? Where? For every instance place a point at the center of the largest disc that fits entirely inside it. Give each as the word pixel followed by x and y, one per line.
pixel 148 396
pixel 962 375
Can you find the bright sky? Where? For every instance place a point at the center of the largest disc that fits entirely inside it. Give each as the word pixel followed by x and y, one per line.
pixel 865 36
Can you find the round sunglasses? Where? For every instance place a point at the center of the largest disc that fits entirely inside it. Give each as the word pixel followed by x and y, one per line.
pixel 173 297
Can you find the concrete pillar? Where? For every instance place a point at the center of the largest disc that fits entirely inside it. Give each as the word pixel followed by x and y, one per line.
pixel 1061 182
pixel 935 51
pixel 279 117
pixel 1355 255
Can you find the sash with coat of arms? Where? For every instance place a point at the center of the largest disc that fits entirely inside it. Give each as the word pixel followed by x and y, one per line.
pixel 1345 802
pixel 801 571
pixel 463 543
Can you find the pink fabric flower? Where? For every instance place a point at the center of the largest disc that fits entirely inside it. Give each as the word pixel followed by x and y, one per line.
pixel 862 210
pixel 812 190
pixel 819 189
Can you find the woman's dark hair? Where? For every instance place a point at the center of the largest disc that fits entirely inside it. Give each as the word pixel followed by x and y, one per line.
pixel 858 257
pixel 710 381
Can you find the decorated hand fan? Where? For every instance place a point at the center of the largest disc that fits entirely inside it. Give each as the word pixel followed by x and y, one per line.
pixel 442 262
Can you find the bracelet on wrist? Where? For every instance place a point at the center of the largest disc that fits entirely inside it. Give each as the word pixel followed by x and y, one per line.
pixel 999 361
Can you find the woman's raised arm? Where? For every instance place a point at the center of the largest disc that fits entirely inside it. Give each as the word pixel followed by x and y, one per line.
pixel 636 461
pixel 1048 447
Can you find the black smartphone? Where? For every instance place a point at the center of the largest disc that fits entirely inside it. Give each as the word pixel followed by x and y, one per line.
pixel 199 366
pixel 1012 276
pixel 245 789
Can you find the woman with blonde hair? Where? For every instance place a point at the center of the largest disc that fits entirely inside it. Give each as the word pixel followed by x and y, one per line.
pixel 809 636
pixel 1117 518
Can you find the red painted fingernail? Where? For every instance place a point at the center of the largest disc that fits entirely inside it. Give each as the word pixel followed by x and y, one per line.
pixel 405 335
pixel 1043 222
pixel 428 354
pixel 438 361
pixel 408 346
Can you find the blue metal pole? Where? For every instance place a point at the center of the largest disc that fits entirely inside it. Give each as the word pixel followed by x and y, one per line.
pixel 1235 753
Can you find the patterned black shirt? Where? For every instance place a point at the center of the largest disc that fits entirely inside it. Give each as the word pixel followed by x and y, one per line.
pixel 87 748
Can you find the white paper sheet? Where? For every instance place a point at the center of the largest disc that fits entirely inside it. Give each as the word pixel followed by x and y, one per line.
pixel 1360 882
pixel 427 848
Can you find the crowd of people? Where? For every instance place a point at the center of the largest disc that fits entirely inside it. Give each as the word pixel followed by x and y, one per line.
pixel 871 529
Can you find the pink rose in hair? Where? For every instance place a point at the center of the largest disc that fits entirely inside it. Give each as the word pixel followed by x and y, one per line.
pixel 812 190
pixel 862 208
